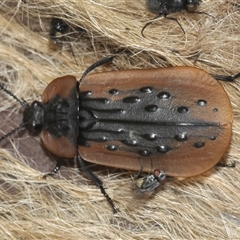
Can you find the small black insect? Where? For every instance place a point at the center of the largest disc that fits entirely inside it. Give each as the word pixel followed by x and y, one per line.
pixel 60 32
pixel 58 27
pixel 166 7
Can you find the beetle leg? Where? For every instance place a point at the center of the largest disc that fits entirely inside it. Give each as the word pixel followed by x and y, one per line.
pixel 150 22
pixel 209 15
pixel 226 78
pixel 56 168
pixel 231 165
pixel 174 19
pixel 157 16
pixel 153 181
pixel 97 182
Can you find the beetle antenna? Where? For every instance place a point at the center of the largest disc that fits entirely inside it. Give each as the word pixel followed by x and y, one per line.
pixel 21 126
pixel 22 102
pixel 102 61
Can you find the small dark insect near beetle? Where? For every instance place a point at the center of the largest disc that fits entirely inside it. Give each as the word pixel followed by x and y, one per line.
pixel 166 7
pixel 58 27
pixel 60 31
pixel 174 121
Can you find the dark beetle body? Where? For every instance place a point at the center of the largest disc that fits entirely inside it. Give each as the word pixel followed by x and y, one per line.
pixel 58 27
pixel 165 7
pixel 176 119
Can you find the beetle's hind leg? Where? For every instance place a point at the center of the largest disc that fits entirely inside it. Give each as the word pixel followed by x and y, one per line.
pixel 226 78
pixel 98 183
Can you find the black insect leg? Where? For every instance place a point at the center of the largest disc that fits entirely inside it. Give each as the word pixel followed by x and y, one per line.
pixel 98 183
pixel 56 168
pixel 157 16
pixel 209 15
pixel 174 19
pixel 150 22
pixel 226 78
pixel 230 165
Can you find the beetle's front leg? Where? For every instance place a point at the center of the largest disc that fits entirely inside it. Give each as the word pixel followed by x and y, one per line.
pixel 56 168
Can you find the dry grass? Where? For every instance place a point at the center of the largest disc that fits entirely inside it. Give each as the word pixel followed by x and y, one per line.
pixel 69 206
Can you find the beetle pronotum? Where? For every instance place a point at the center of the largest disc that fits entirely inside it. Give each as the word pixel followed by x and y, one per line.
pixel 163 121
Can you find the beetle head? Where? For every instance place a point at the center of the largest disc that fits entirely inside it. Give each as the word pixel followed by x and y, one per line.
pixel 33 117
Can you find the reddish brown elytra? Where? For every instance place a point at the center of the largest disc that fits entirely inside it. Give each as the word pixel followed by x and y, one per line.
pixel 174 121
pixel 165 118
